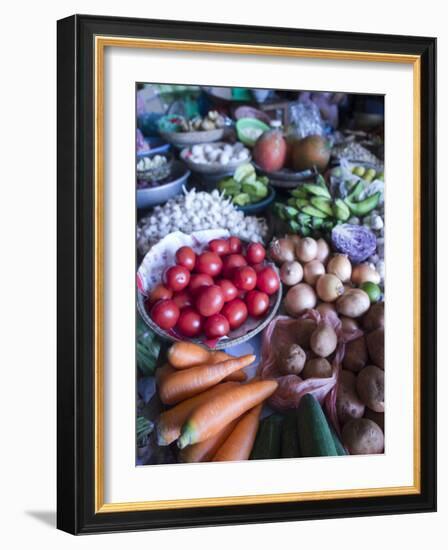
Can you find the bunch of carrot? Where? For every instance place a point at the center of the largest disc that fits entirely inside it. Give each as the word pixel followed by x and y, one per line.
pixel 215 412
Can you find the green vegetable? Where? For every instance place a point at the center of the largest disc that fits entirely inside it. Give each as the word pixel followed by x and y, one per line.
pixel 313 212
pixel 370 175
pixel 365 206
pixel 359 171
pixel 340 210
pixel 294 226
pixel 241 199
pixel 300 203
pixel 314 432
pixel 144 428
pixel 147 348
pixel 373 291
pixel 356 191
pixel 317 190
pixel 243 172
pixel 322 204
pixel 268 441
pixel 340 449
pixel 291 212
pixel 299 193
pixel 290 446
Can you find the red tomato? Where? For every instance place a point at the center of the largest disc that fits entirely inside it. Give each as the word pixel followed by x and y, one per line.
pixel 255 253
pixel 244 278
pixel 208 263
pixel 198 280
pixel 268 281
pixel 257 303
pixel 216 326
pixel 209 300
pixel 235 312
pixel 177 277
pixel 186 256
pixel 165 313
pixel 232 261
pixel 219 246
pixel 182 299
pixel 160 292
pixel 258 267
pixel 189 323
pixel 235 245
pixel 229 290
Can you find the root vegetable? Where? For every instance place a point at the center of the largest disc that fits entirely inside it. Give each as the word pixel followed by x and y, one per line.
pixel 362 436
pixel 374 318
pixel 353 303
pixel 205 450
pixel 323 250
pixel 355 357
pixel 348 324
pixel 375 346
pixel 306 250
pixel 348 403
pixel 304 328
pixel 291 273
pixel 323 340
pixel 363 273
pixel 329 287
pixel 378 418
pixel 300 298
pixel 312 271
pixel 340 266
pixel 370 387
pixel 295 361
pixel 317 368
pixel 282 250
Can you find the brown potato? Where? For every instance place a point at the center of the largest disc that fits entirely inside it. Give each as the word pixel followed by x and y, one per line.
pixel 361 436
pixel 377 417
pixel 304 328
pixel 348 403
pixel 353 303
pixel 374 318
pixel 370 387
pixel 348 324
pixel 323 341
pixel 317 368
pixel 375 346
pixel 295 360
pixel 355 357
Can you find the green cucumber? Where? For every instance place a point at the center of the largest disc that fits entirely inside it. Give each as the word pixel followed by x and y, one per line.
pixel 314 432
pixel 268 441
pixel 340 449
pixel 290 437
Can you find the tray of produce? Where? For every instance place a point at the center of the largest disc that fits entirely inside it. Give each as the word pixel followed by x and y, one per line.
pixel 179 131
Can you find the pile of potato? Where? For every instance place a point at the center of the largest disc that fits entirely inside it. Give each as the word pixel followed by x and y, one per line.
pixel 360 398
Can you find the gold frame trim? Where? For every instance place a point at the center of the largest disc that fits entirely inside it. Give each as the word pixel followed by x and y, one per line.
pixel 101 42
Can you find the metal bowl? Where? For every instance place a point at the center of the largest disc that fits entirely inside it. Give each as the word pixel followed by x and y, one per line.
pixel 287 179
pixel 235 337
pixel 215 168
pixel 182 139
pixel 158 194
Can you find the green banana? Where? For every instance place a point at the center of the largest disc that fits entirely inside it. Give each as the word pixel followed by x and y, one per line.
pixel 365 206
pixel 291 201
pixel 317 190
pixel 304 219
pixel 320 180
pixel 300 203
pixel 356 191
pixel 315 212
pixel 291 212
pixel 299 193
pixel 340 210
pixel 294 226
pixel 324 205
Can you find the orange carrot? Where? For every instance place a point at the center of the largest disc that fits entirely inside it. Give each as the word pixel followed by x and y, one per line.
pixel 186 383
pixel 170 422
pixel 237 376
pixel 186 354
pixel 163 372
pixel 238 445
pixel 204 451
pixel 210 417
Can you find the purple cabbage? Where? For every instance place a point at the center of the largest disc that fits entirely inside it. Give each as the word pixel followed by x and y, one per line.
pixel 357 241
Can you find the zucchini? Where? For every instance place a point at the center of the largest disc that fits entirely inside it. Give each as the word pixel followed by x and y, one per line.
pixel 314 432
pixel 290 437
pixel 340 449
pixel 268 441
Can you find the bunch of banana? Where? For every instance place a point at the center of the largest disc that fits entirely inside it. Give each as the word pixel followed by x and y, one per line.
pixel 312 210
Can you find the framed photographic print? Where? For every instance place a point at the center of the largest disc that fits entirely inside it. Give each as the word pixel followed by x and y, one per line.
pixel 247 274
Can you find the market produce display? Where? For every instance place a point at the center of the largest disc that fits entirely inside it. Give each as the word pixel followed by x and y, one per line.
pixel 259 337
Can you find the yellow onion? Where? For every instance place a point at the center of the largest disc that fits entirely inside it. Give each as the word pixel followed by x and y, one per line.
pixel 312 271
pixel 323 250
pixel 306 250
pixel 294 238
pixel 329 287
pixel 291 273
pixel 340 266
pixel 299 298
pixel 364 273
pixel 281 250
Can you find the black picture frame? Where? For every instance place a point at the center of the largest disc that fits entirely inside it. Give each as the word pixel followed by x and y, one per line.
pixel 75 309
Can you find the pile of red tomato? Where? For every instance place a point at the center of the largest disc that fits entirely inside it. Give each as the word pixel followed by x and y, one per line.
pixel 215 291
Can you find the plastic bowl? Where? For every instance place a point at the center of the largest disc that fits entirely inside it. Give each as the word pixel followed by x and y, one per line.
pixel 244 124
pixel 158 194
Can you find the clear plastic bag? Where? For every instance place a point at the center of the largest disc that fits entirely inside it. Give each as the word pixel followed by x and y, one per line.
pixel 305 120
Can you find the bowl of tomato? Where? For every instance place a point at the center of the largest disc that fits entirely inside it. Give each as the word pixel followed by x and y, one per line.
pixel 208 287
